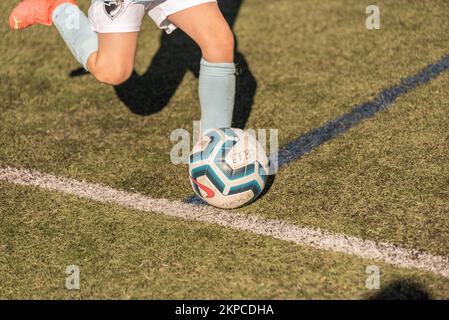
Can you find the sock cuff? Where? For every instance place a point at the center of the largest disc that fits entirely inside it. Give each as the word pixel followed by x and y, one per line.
pixel 220 69
pixel 61 9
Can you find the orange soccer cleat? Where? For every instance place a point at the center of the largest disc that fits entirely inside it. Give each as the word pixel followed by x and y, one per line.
pixel 30 12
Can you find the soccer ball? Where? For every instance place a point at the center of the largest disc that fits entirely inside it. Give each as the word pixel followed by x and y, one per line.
pixel 228 168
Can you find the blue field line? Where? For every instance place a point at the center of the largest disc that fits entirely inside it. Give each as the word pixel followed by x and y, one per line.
pixel 295 149
pixel 305 143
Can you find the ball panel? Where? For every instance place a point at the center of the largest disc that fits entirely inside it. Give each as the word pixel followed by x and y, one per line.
pixel 251 185
pixel 228 168
pixel 205 170
pixel 206 146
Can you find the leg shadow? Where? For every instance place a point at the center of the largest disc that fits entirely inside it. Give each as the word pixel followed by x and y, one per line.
pixel 246 83
pixel 150 92
pixel 402 290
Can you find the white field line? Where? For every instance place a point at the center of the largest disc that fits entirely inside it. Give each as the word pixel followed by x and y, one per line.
pixel 315 238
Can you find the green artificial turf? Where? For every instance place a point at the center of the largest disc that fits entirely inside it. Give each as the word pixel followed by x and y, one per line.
pixel 129 254
pixel 386 179
pixel 312 62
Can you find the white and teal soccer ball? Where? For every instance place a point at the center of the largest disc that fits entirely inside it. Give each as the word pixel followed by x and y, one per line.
pixel 228 168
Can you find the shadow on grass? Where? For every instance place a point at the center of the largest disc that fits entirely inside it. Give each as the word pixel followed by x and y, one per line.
pixel 151 91
pixel 405 289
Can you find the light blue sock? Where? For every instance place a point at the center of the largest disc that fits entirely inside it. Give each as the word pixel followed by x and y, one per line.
pixel 76 31
pixel 217 94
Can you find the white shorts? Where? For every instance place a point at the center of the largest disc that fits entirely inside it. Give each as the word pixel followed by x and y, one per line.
pixel 108 16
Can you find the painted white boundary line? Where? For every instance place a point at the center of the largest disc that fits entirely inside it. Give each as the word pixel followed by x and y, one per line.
pixel 315 238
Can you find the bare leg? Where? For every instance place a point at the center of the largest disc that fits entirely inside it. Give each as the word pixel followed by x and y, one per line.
pixel 114 61
pixel 208 28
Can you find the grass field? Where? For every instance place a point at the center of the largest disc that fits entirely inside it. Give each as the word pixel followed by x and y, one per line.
pixel 306 63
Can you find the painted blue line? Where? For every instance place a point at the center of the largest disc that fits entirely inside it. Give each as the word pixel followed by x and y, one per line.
pixel 297 148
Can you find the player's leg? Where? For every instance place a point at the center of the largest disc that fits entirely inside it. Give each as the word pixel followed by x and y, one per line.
pixel 109 56
pixel 117 23
pixel 205 24
pixel 100 44
pixel 113 63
